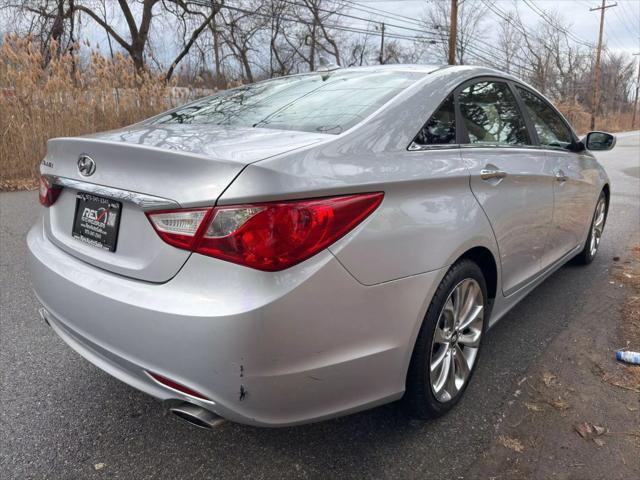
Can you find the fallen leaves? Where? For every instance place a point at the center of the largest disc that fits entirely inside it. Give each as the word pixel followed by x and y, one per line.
pixel 626 377
pixel 511 443
pixel 559 403
pixel 589 431
pixel 548 378
pixel 533 407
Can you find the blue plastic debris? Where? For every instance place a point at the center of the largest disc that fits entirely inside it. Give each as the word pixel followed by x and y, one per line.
pixel 628 357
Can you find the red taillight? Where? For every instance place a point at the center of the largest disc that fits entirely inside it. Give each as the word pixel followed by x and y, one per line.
pixel 48 193
pixel 265 236
pixel 167 382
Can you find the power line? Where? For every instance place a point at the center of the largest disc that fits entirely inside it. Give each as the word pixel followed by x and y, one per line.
pixel 495 60
pixel 422 39
pixel 477 48
pixel 631 16
pixel 541 13
pixel 518 25
pixel 505 16
pixel 622 19
pixel 612 35
pixel 354 17
pixel 355 5
pixel 206 3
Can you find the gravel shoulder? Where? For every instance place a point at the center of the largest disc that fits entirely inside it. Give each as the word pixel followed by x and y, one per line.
pixel 575 414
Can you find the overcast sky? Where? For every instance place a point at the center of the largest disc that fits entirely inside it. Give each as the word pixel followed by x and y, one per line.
pixel 622 23
pixel 621 33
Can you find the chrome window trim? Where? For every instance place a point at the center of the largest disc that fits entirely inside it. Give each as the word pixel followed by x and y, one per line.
pixel 416 147
pixel 142 200
pixel 547 148
pixel 499 145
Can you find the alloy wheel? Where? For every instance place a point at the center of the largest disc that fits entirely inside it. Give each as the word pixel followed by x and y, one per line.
pixel 456 340
pixel 597 226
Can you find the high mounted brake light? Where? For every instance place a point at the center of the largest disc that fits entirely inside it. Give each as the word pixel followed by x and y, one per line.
pixel 265 236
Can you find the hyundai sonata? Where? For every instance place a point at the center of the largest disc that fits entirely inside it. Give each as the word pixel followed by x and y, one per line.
pixel 314 245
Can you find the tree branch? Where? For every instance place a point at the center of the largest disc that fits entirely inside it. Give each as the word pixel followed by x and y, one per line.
pixel 126 11
pixel 105 25
pixel 194 36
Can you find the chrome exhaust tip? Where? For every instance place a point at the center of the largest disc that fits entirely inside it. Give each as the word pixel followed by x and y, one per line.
pixel 43 315
pixel 194 414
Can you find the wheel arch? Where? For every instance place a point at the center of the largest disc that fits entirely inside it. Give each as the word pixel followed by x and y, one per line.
pixel 483 257
pixel 486 260
pixel 607 193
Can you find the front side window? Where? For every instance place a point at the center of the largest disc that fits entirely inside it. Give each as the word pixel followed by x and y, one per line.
pixel 491 115
pixel 329 103
pixel 552 131
pixel 441 127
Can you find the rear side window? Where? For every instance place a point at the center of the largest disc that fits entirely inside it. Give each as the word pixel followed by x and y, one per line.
pixel 491 115
pixel 441 127
pixel 552 131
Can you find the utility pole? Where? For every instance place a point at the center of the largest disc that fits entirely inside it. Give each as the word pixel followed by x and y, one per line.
pixel 635 102
pixel 381 57
pixel 453 32
pixel 596 74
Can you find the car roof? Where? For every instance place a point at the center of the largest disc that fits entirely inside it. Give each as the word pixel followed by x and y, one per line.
pixel 396 67
pixel 469 71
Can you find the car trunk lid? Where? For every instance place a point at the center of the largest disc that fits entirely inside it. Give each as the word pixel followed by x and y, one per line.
pixel 151 167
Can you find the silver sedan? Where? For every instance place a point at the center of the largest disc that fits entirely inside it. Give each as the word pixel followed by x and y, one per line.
pixel 314 245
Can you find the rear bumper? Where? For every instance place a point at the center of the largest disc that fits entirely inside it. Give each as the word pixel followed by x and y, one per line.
pixel 302 345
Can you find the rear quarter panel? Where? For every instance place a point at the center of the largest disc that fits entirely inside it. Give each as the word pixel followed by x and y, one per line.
pixel 428 217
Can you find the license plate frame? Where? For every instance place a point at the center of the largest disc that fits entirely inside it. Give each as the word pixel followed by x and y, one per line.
pixel 96 221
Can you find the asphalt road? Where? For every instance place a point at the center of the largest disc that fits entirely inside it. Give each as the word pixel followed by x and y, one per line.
pixel 61 416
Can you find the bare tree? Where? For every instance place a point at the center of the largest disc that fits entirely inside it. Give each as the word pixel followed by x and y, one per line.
pixel 360 49
pixel 282 58
pixel 240 29
pixel 138 31
pixel 183 12
pixel 50 22
pixel 315 19
pixel 509 41
pixel 219 42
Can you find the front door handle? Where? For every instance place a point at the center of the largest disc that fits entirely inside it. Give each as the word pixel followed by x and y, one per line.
pixel 489 172
pixel 560 176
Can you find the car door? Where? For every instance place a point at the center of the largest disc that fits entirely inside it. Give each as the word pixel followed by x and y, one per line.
pixel 510 176
pixel 574 185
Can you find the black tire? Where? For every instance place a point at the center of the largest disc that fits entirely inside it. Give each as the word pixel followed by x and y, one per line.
pixel 420 399
pixel 586 256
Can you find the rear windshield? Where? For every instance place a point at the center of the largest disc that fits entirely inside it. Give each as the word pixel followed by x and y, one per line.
pixel 310 103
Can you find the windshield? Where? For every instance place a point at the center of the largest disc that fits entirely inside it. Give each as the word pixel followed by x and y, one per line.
pixel 326 103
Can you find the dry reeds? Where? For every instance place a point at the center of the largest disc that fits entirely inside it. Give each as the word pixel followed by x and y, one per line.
pixel 68 96
pixel 73 94
pixel 581 119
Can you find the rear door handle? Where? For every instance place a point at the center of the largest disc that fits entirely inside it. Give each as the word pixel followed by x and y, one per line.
pixel 489 172
pixel 560 176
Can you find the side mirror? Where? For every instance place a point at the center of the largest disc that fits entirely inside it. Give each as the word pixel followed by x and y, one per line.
pixel 599 141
